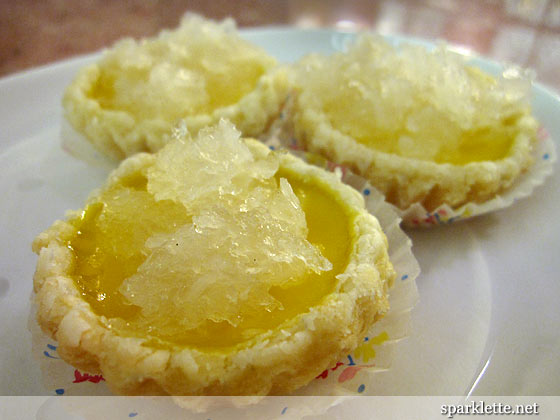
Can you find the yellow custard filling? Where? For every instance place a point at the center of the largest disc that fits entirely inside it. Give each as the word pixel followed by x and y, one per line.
pixel 430 143
pixel 112 246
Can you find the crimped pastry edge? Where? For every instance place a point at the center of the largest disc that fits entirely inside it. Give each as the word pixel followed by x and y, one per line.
pixel 282 359
pixel 405 181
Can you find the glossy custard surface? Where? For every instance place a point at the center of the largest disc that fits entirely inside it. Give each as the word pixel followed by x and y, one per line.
pixel 125 238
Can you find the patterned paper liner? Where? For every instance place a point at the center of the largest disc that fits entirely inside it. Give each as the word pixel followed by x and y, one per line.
pixel 77 145
pixel 352 375
pixel 545 157
pixel 192 408
pixel 281 135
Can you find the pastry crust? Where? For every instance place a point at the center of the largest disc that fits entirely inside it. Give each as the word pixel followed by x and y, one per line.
pixel 406 181
pixel 118 132
pixel 276 362
pixel 403 179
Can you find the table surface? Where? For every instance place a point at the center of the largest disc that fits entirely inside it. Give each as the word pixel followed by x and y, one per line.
pixel 525 32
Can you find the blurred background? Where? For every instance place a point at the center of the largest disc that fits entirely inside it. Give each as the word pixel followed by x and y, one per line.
pixel 526 32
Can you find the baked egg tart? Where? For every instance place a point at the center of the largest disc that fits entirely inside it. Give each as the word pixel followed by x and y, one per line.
pixel 212 267
pixel 422 126
pixel 129 100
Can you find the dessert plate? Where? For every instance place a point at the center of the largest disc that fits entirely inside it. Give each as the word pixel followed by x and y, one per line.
pixel 487 322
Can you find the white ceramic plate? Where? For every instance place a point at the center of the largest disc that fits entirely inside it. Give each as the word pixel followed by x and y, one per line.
pixel 487 323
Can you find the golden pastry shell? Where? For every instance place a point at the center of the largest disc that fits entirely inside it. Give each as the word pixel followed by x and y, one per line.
pixel 405 181
pixel 118 133
pixel 277 362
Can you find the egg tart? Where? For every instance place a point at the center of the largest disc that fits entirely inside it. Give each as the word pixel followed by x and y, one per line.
pixel 422 126
pixel 129 100
pixel 213 267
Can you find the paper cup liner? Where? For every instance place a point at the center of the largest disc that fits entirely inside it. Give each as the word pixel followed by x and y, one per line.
pixel 351 375
pixel 281 135
pixel 77 145
pixel 545 157
pixel 193 408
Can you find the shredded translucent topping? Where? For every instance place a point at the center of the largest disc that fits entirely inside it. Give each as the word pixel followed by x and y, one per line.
pixel 201 66
pixel 428 105
pixel 248 233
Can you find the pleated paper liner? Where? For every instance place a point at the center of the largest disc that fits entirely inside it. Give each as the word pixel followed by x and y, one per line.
pixel 77 145
pixel 545 157
pixel 192 408
pixel 353 374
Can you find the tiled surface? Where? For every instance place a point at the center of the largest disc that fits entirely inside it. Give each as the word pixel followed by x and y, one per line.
pixel 526 32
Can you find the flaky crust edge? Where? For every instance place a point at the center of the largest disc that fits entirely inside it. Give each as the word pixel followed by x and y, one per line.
pixel 279 362
pixel 405 181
